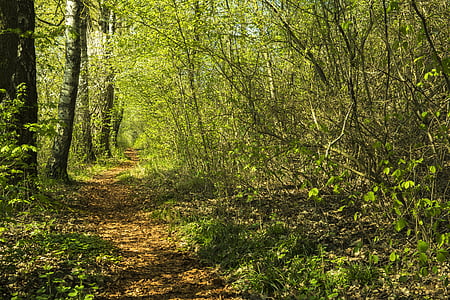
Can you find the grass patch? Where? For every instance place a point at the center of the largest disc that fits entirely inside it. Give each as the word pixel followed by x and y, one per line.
pixel 83 172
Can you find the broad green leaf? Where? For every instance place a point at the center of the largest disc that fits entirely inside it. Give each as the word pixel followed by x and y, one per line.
pixel 393 256
pixel 424 114
pixel 393 5
pixel 423 258
pixel 374 259
pixel 397 173
pixel 400 224
pixel 422 246
pixel 442 255
pixel 408 184
pixel 370 197
pixel 424 271
pixel 313 192
pixel 74 293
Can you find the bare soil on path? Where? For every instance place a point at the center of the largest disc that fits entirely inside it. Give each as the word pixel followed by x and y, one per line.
pixel 152 265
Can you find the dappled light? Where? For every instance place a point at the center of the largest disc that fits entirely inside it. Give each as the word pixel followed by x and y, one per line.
pixel 227 149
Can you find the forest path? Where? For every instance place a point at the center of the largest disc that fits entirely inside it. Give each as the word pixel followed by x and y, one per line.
pixel 152 266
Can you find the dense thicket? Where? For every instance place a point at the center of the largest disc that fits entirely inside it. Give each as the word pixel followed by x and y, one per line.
pixel 342 96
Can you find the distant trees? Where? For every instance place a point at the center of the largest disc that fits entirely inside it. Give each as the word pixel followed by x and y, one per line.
pixel 335 95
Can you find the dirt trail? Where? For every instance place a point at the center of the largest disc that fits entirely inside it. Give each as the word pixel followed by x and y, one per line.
pixel 152 266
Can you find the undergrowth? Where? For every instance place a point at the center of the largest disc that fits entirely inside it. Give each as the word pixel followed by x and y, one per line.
pixel 43 254
pixel 41 258
pixel 273 260
pixel 287 244
pixel 37 262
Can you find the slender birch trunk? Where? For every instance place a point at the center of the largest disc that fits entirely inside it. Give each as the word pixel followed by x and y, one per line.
pixel 57 166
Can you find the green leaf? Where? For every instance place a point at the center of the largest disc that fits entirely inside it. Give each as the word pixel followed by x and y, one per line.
pixel 442 255
pixel 397 173
pixel 370 197
pixel 408 184
pixel 313 192
pixel 433 169
pixel 424 114
pixel 341 208
pixel 333 295
pixel 419 58
pixel 423 258
pixel 393 5
pixel 424 271
pixel 422 246
pixel 374 259
pixel 393 256
pixel 74 293
pixel 400 224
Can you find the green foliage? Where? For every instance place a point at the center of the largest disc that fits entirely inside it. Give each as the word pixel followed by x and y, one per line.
pixel 13 186
pixel 274 260
pixel 39 264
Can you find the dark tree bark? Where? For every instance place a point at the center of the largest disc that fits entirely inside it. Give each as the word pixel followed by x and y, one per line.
pixel 9 42
pixel 116 123
pixel 26 74
pixel 57 166
pixel 18 72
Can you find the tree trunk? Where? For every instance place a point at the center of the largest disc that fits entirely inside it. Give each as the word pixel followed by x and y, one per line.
pixel 18 73
pixel 57 166
pixel 86 147
pixel 116 123
pixel 8 51
pixel 107 96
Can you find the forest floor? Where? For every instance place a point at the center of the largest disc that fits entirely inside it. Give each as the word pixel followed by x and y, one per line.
pixel 132 232
pixel 152 266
